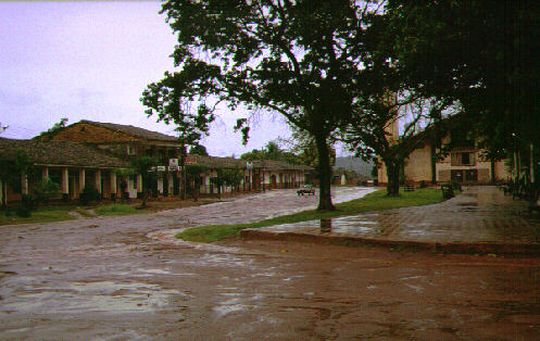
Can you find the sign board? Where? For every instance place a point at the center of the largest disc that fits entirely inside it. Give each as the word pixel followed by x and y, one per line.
pixel 173 168
pixel 161 168
pixel 249 165
pixel 173 162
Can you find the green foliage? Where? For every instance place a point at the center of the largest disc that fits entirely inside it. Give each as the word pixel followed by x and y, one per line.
pixel 272 151
pixel 54 129
pixel 11 168
pixel 193 171
pixel 375 201
pixel 228 177
pixel 115 209
pixel 43 215
pixel 304 60
pixel 198 149
pixel 46 190
pixel 88 195
pixel 459 49
pixel 143 165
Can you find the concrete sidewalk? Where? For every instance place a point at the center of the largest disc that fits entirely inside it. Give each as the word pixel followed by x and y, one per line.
pixel 480 220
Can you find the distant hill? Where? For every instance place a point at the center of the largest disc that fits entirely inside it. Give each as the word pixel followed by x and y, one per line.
pixel 356 164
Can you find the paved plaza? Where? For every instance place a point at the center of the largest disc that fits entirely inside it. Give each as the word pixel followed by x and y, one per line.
pixel 481 219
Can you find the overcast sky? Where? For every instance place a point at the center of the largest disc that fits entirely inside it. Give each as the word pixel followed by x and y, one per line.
pixel 92 60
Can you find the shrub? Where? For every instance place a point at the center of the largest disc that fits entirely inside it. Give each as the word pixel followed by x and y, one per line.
pixel 24 212
pixel 28 202
pixel 88 195
pixel 46 190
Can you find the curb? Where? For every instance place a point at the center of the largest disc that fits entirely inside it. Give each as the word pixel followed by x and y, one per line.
pixel 438 247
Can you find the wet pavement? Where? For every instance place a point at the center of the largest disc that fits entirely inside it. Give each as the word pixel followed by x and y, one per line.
pixel 481 219
pixel 126 278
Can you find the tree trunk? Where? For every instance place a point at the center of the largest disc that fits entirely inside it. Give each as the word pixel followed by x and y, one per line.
pixel 325 175
pixel 392 173
pixel 183 172
pixel 492 169
pixel 433 163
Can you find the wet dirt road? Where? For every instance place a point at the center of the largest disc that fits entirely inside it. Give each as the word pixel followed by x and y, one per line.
pixel 126 278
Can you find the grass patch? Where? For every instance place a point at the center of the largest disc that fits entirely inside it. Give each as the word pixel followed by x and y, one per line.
pixel 376 201
pixel 115 209
pixel 42 215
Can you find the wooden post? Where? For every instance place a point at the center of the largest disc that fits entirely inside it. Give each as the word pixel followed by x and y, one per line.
pixel 532 163
pixel 139 184
pixel 98 180
pixel 113 184
pixel 170 184
pixel 65 183
pixel 82 179
pixel 24 183
pixel 45 173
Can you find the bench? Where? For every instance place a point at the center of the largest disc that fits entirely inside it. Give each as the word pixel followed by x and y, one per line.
pixel 306 190
pixel 408 188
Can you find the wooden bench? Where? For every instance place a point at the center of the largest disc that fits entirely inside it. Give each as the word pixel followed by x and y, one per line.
pixel 408 188
pixel 306 190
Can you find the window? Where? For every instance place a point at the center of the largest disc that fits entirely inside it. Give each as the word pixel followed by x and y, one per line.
pixel 130 150
pixel 463 159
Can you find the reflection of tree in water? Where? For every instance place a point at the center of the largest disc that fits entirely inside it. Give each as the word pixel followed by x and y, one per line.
pixel 326 225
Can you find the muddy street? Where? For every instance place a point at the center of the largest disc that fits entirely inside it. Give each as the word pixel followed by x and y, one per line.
pixel 127 278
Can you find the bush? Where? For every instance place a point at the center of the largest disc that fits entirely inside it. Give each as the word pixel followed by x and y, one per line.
pixel 24 212
pixel 28 202
pixel 46 190
pixel 88 195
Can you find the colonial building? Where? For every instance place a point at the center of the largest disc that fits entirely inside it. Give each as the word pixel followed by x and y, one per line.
pixel 73 166
pixel 127 142
pixel 462 161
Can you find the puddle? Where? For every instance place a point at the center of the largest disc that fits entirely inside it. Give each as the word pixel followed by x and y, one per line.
pixel 229 306
pixel 106 297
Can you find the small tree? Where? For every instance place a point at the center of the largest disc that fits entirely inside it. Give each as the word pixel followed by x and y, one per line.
pixel 46 190
pixel 232 177
pixel 165 100
pixel 198 149
pixel 12 169
pixel 47 135
pixel 144 165
pixel 194 178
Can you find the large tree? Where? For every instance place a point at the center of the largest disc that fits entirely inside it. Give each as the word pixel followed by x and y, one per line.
pixel 389 127
pixel 482 53
pixel 303 59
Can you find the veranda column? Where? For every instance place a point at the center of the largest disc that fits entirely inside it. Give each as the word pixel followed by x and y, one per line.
pixel 113 185
pixel 139 185
pixel 98 180
pixel 82 179
pixel 45 173
pixel 65 183
pixel 170 184
pixel 24 183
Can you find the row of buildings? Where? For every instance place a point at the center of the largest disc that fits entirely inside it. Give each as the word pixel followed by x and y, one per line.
pixel 98 155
